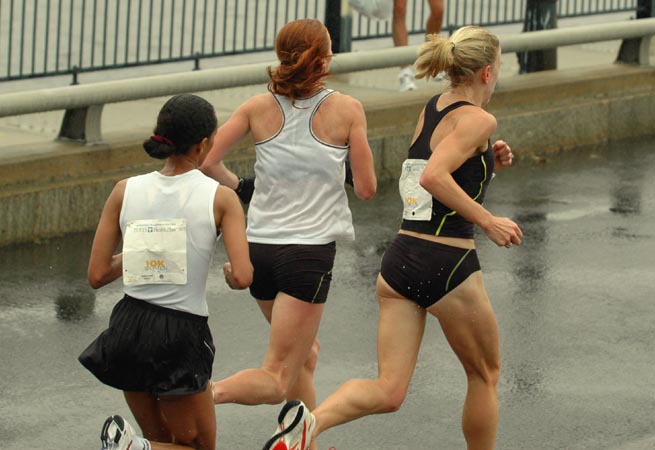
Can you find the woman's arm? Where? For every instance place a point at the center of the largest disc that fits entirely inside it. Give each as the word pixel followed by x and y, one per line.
pixel 227 137
pixel 361 157
pixel 104 265
pixel 471 132
pixel 230 219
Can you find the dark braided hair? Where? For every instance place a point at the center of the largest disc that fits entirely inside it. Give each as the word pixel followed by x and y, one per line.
pixel 183 121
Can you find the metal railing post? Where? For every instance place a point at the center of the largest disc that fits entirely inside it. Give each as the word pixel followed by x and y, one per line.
pixel 645 8
pixel 82 125
pixel 83 103
pixel 539 15
pixel 339 22
pixel 637 50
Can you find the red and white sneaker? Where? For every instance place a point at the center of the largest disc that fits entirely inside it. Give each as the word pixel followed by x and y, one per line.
pixel 116 434
pixel 295 429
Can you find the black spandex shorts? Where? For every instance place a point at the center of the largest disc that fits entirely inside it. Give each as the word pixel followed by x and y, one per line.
pixel 425 271
pixel 148 348
pixel 301 271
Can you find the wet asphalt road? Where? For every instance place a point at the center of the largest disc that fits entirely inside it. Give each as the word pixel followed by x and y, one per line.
pixel 574 304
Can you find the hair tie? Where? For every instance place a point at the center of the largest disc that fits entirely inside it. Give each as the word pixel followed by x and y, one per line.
pixel 285 63
pixel 162 139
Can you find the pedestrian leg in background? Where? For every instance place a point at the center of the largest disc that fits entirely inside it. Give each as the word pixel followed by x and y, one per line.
pixel 401 38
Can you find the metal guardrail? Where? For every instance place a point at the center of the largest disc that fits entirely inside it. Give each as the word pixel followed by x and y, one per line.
pixel 84 103
pixel 485 13
pixel 40 38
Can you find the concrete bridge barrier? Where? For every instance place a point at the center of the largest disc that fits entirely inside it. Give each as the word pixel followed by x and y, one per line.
pixel 59 187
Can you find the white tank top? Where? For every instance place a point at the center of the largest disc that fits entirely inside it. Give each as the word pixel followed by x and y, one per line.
pixel 189 198
pixel 299 182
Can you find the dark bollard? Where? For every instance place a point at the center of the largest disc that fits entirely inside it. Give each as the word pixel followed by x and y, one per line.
pixel 539 15
pixel 339 24
pixel 645 8
pixel 75 72
pixel 629 51
pixel 196 61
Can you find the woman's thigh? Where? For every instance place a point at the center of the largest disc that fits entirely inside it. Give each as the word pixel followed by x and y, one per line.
pixel 185 419
pixel 148 415
pixel 469 324
pixel 191 419
pixel 294 326
pixel 401 325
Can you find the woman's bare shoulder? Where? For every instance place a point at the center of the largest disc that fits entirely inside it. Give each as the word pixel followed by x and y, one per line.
pixel 474 118
pixel 256 102
pixel 345 98
pixel 345 104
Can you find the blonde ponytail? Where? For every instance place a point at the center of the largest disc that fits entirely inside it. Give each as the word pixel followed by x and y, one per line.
pixel 434 56
pixel 468 50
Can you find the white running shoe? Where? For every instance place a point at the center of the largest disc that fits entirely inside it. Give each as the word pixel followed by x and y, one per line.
pixel 116 434
pixel 406 77
pixel 295 429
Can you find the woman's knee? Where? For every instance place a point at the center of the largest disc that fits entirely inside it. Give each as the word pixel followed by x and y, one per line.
pixel 199 434
pixel 394 397
pixel 161 434
pixel 281 389
pixel 312 358
pixel 487 371
pixel 205 442
pixel 198 442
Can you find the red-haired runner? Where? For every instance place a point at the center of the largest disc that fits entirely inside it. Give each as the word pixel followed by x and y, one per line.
pixel 303 133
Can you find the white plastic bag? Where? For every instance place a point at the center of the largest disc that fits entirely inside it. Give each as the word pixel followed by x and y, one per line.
pixel 375 9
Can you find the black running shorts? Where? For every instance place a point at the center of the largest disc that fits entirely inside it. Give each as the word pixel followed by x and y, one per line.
pixel 425 271
pixel 148 348
pixel 301 271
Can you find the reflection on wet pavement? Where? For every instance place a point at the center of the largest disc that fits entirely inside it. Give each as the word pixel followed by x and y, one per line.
pixel 574 306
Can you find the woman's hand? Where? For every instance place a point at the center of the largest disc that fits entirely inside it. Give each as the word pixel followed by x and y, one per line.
pixel 229 277
pixel 503 154
pixel 503 232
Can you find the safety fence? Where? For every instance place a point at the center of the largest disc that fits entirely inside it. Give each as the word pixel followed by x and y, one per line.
pixel 84 103
pixel 40 38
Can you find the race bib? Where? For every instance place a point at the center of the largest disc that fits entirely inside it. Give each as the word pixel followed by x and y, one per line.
pixel 417 202
pixel 154 252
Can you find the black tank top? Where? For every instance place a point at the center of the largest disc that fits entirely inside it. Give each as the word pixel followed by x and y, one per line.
pixel 473 177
